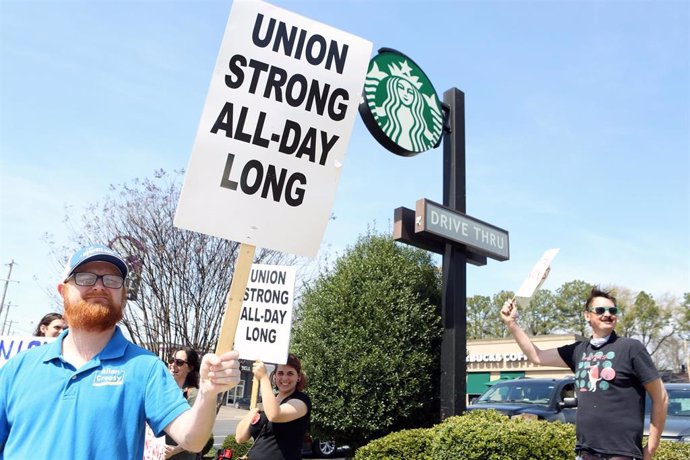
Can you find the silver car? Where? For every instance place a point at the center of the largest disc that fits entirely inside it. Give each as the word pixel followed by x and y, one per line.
pixel 677 427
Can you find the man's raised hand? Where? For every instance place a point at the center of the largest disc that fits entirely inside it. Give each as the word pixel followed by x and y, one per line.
pixel 509 311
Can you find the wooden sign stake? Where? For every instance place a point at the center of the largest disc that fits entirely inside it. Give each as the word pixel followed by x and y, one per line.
pixel 233 305
pixel 255 393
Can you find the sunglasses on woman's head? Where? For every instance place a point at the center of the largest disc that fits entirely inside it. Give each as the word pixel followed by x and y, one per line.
pixel 177 362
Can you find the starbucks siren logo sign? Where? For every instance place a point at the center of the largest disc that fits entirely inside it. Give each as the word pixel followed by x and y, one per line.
pixel 399 105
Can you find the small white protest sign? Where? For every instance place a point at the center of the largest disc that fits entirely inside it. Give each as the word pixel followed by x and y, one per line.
pixel 535 278
pixel 274 130
pixel 263 331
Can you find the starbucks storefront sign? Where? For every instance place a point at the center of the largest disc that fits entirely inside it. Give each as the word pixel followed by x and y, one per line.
pixel 495 357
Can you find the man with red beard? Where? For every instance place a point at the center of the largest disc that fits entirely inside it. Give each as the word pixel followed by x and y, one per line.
pixel 90 393
pixel 612 374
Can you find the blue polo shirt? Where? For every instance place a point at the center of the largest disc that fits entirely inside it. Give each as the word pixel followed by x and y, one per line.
pixel 50 410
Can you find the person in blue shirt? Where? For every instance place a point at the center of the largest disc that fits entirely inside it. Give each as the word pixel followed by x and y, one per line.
pixel 90 393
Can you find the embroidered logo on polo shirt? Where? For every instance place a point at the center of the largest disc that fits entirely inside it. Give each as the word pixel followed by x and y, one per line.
pixel 113 377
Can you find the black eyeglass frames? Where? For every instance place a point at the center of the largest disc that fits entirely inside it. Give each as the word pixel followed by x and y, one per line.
pixel 89 279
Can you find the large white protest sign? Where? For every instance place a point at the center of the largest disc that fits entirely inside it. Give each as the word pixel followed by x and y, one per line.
pixel 535 278
pixel 263 331
pixel 274 131
pixel 11 345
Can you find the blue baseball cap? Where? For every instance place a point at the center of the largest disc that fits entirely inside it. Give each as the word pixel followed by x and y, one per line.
pixel 95 252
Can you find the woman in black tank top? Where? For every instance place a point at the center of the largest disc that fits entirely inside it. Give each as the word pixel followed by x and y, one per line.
pixel 279 429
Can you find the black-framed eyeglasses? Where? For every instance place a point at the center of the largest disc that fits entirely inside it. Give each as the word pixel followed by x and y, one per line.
pixel 89 279
pixel 177 362
pixel 601 310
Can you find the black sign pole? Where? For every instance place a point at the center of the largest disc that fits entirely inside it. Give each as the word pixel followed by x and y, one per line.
pixel 454 296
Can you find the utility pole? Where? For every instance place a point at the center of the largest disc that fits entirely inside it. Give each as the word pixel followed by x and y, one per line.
pixel 687 359
pixel 7 281
pixel 4 323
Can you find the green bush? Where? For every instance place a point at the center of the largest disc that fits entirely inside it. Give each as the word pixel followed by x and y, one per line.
pixel 672 451
pixel 488 435
pixel 369 333
pixel 406 444
pixel 477 435
pixel 238 450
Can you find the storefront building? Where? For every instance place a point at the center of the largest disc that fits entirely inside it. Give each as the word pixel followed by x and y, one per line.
pixel 487 361
pixel 501 359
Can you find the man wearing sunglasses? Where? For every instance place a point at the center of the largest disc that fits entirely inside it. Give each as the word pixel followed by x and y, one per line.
pixel 90 393
pixel 612 374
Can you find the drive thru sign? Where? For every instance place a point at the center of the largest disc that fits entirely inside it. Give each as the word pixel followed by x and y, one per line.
pixel 274 130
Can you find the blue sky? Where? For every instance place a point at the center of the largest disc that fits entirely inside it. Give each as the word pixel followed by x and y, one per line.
pixel 578 126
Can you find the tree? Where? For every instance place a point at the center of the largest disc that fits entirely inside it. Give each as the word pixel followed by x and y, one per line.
pixel 483 320
pixel 497 301
pixel 570 302
pixel 662 325
pixel 181 278
pixel 627 319
pixel 651 320
pixel 684 317
pixel 541 317
pixel 369 334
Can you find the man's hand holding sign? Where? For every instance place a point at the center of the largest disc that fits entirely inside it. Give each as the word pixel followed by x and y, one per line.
pixel 509 311
pixel 532 283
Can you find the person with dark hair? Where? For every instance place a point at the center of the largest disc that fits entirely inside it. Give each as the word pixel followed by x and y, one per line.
pixel 184 367
pixel 612 374
pixel 279 429
pixel 51 325
pixel 91 392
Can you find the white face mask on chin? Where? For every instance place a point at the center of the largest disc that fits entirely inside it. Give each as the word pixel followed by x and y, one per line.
pixel 599 342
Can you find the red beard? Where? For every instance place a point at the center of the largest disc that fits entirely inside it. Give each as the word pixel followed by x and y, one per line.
pixel 93 317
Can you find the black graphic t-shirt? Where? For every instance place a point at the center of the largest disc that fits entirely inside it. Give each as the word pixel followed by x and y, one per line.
pixel 609 383
pixel 280 441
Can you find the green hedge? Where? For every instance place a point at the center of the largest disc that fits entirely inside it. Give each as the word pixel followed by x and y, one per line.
pixel 406 444
pixel 477 435
pixel 672 451
pixel 488 435
pixel 238 450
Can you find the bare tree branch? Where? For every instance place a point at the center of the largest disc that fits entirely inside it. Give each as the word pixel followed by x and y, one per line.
pixel 180 278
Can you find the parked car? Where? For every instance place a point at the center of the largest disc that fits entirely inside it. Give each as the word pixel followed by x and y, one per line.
pixel 317 448
pixel 242 403
pixel 677 427
pixel 546 399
